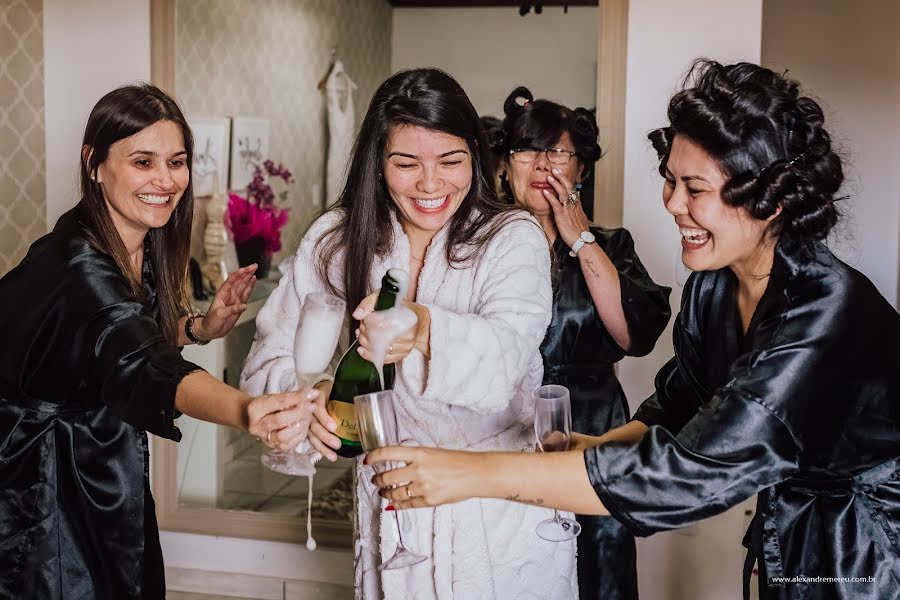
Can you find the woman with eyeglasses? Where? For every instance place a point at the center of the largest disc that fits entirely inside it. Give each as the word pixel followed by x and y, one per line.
pixel 605 305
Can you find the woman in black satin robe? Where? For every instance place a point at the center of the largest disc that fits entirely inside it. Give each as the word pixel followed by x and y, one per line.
pixel 605 305
pixel 91 323
pixel 786 376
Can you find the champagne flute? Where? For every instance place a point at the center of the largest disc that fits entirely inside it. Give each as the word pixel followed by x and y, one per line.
pixel 553 429
pixel 376 422
pixel 318 330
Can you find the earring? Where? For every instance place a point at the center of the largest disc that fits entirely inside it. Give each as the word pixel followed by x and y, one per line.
pixel 93 176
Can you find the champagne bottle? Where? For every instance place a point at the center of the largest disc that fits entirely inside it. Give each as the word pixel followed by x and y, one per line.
pixel 355 375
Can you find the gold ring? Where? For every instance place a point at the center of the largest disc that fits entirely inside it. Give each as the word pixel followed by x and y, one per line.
pixel 269 438
pixel 573 197
pixel 408 495
pixel 391 349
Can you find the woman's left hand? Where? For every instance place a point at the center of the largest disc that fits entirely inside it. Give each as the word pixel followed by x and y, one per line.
pixel 414 337
pixel 230 301
pixel 569 216
pixel 431 477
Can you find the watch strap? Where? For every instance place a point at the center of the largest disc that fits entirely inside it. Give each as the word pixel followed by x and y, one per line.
pixel 189 330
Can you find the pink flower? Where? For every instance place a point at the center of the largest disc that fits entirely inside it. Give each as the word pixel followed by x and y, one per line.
pixel 249 220
pixel 257 215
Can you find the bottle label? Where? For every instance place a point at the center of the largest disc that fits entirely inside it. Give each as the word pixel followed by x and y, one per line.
pixel 344 414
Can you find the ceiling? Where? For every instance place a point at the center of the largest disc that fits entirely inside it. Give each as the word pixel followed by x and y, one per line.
pixel 469 3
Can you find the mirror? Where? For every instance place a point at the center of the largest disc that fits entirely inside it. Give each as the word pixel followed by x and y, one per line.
pixel 266 61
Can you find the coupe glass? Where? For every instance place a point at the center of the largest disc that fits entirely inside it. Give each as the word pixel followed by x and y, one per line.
pixel 553 429
pixel 318 330
pixel 376 422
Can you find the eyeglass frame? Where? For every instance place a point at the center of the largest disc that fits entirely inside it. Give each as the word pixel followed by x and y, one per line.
pixel 545 152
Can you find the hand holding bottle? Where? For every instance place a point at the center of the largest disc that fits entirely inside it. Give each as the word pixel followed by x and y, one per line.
pixel 363 370
pixel 322 426
pixel 416 336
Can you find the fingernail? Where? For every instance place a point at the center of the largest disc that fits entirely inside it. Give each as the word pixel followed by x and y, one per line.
pixel 331 425
pixel 365 459
pixel 357 332
pixel 557 171
pixel 389 507
pixel 359 314
pixel 312 394
pixel 551 177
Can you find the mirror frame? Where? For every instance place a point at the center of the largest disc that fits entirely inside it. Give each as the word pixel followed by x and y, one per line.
pixel 612 50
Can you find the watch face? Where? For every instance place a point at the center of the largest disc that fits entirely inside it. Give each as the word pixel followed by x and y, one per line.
pixel 588 237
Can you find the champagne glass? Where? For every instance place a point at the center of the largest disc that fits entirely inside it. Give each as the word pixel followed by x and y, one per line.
pixel 553 429
pixel 376 422
pixel 318 330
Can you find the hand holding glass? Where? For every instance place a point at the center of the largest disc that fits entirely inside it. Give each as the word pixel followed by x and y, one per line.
pixel 318 330
pixel 553 429
pixel 376 422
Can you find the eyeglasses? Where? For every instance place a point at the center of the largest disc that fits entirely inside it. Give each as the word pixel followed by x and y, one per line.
pixel 558 156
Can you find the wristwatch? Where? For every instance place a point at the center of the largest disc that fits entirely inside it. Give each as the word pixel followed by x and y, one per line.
pixel 586 237
pixel 189 330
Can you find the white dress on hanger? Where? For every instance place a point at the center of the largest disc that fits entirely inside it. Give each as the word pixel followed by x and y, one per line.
pixel 339 104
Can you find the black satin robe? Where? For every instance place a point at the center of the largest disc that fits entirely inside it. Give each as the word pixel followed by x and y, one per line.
pixel 579 353
pixel 84 373
pixel 803 410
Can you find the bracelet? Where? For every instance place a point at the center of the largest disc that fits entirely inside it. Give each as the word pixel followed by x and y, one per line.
pixel 189 330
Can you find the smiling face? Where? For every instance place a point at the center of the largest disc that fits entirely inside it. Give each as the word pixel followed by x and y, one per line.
pixel 714 234
pixel 528 180
pixel 428 174
pixel 143 178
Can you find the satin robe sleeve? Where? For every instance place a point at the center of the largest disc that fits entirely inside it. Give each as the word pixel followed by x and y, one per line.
pixel 479 358
pixel 124 356
pixel 644 302
pixel 699 459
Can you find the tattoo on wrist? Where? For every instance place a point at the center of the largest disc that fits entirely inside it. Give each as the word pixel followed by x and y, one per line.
pixel 591 268
pixel 518 498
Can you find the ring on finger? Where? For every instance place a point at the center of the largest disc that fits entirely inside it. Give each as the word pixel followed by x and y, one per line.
pixel 408 494
pixel 391 349
pixel 573 197
pixel 269 438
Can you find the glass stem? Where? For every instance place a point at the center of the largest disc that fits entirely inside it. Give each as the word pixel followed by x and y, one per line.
pixel 556 517
pixel 399 535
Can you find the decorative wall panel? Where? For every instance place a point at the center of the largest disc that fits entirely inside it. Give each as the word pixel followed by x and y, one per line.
pixel 23 204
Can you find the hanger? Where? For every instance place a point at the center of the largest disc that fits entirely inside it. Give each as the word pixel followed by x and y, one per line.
pixel 339 80
pixel 330 68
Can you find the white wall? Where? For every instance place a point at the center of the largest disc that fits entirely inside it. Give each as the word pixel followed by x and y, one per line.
pixel 90 48
pixel 490 51
pixel 703 562
pixel 845 54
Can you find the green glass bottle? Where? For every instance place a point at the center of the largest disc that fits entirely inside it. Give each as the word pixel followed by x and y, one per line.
pixel 355 375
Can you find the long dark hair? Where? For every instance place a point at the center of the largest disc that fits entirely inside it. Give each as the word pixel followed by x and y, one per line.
pixel 120 114
pixel 538 124
pixel 769 141
pixel 426 98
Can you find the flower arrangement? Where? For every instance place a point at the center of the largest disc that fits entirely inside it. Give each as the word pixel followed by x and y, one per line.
pixel 257 216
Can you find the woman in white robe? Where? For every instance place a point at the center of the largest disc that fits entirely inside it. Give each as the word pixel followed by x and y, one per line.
pixel 419 198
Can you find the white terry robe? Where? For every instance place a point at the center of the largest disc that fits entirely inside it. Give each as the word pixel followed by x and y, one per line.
pixel 487 322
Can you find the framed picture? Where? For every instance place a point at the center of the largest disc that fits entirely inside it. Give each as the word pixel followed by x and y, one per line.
pixel 212 139
pixel 249 147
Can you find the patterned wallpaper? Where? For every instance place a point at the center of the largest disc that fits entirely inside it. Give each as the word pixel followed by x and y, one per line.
pixel 23 205
pixel 265 58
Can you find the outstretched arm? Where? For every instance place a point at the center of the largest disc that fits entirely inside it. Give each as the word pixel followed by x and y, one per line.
pixel 435 476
